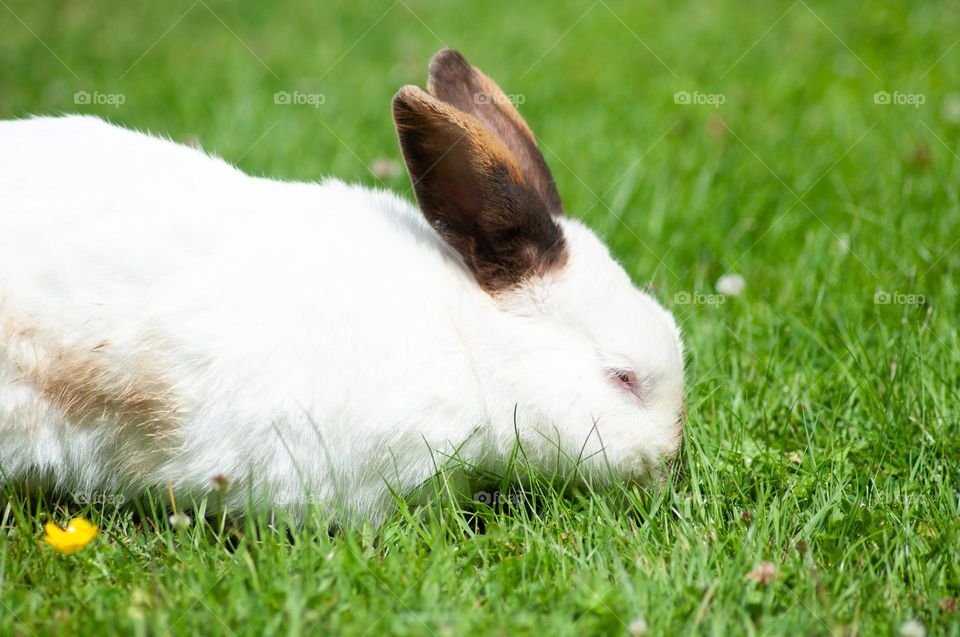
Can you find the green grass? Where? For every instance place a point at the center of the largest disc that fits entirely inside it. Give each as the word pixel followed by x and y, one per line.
pixel 823 432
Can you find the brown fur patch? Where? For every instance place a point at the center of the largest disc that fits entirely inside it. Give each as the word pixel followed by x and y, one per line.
pixel 90 385
pixel 473 192
pixel 453 80
pixel 87 390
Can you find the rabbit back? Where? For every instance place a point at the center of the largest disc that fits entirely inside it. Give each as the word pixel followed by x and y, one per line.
pixel 167 319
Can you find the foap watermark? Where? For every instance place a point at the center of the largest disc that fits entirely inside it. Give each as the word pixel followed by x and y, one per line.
pixel 699 298
pixel 699 99
pixel 498 98
pixel 490 498
pixel 296 98
pixel 897 98
pixel 99 498
pixel 96 98
pixel 898 298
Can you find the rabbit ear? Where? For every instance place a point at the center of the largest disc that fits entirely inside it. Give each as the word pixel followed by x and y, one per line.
pixel 455 81
pixel 472 191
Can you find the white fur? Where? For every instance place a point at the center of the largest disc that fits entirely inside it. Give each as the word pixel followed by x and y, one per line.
pixel 320 340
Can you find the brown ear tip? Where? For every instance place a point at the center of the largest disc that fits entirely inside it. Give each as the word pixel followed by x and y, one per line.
pixel 406 97
pixel 446 57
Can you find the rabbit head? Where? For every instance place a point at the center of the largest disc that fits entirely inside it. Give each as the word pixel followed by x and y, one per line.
pixel 592 365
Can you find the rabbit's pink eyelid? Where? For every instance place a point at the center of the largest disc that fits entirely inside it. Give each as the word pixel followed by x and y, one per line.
pixel 628 380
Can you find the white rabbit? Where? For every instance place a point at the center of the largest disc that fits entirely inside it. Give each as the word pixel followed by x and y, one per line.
pixel 167 320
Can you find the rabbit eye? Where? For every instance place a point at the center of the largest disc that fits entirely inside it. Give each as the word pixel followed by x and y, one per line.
pixel 627 380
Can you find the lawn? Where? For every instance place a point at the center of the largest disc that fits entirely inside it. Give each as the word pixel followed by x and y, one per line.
pixel 811 148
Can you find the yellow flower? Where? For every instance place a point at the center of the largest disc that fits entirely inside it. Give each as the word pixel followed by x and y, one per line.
pixel 77 535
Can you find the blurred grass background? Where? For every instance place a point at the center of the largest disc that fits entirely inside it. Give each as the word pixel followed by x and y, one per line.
pixel 823 432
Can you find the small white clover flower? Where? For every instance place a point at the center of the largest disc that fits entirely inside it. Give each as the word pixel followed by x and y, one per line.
pixel 383 168
pixel 731 284
pixel 638 627
pixel 913 628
